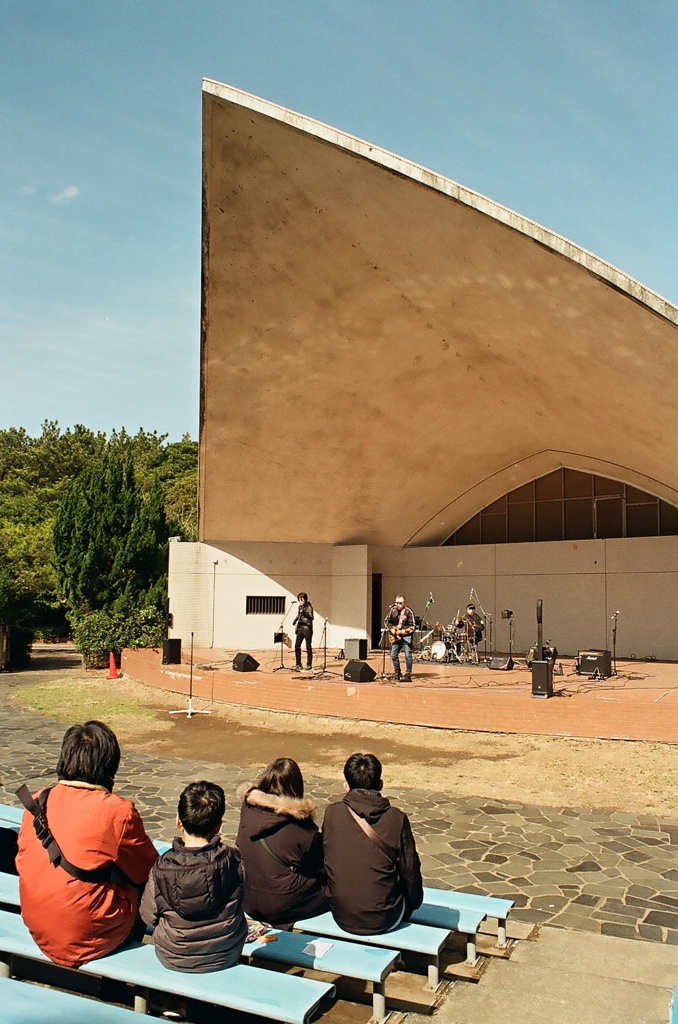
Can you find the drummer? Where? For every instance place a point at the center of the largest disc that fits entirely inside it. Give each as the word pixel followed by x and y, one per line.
pixel 472 623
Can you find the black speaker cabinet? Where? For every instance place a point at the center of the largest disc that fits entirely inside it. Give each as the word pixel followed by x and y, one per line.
pixel 359 672
pixel 245 663
pixel 590 662
pixel 501 663
pixel 356 648
pixel 542 678
pixel 171 651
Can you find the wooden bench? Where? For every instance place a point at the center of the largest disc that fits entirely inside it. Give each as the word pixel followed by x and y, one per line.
pixel 407 938
pixel 25 1004
pixel 247 989
pixel 348 959
pixel 492 906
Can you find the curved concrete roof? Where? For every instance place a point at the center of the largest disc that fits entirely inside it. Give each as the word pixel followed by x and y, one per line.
pixel 385 352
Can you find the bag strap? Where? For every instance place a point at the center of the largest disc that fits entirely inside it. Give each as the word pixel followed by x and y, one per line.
pixel 269 851
pixel 38 808
pixel 371 834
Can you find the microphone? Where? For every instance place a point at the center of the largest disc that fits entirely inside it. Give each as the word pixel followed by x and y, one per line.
pixel 292 602
pixel 470 596
pixel 430 597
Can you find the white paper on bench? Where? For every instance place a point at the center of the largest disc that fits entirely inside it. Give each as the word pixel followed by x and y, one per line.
pixel 317 948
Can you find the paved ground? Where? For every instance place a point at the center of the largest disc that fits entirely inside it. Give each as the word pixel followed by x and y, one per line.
pixel 607 873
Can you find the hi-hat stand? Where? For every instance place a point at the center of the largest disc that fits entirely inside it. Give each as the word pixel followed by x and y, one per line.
pixel 190 710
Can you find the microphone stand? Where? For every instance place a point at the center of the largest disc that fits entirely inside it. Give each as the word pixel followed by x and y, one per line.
pixel 383 643
pixel 488 619
pixel 614 644
pixel 324 671
pixel 282 667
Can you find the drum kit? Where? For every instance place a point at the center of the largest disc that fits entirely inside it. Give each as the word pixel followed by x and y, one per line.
pixel 455 642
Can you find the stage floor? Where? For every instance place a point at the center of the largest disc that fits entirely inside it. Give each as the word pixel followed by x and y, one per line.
pixel 640 702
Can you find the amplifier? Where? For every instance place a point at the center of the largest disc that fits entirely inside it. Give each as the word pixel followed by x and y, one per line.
pixel 171 651
pixel 590 662
pixel 355 649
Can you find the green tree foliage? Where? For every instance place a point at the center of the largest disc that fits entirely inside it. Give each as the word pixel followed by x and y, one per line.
pixel 110 540
pixel 101 632
pixel 36 476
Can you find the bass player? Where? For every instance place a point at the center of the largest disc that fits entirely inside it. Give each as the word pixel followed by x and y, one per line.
pixel 401 624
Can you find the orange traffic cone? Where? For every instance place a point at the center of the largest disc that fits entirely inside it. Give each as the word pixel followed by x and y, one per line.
pixel 112 667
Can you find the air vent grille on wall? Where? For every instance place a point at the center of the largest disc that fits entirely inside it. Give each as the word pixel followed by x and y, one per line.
pixel 264 606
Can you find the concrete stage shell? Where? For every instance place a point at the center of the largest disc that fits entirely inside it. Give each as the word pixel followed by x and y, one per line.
pixel 385 352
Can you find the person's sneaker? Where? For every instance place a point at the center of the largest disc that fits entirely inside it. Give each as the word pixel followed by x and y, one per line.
pixel 398 678
pixel 407 678
pixel 298 668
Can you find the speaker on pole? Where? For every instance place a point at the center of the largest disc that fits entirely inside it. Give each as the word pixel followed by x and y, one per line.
pixel 359 672
pixel 245 663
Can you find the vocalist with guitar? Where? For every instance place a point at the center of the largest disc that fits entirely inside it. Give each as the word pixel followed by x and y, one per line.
pixel 400 623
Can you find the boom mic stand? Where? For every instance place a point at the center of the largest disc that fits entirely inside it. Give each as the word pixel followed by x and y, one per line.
pixel 282 667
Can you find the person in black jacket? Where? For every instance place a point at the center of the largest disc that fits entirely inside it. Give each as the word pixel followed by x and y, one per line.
pixel 194 895
pixel 281 847
pixel 304 626
pixel 373 869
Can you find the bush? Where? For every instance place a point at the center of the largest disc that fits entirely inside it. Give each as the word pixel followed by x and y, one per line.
pixel 97 634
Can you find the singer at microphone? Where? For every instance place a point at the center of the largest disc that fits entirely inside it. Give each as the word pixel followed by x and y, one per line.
pixel 304 631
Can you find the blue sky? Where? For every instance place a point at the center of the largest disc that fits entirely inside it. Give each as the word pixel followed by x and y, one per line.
pixel 563 110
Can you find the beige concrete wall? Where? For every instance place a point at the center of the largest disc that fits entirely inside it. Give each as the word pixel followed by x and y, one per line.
pixel 209 584
pixel 581 584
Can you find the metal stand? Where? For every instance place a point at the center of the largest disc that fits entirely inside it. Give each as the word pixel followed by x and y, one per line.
pixel 384 641
pixel 324 671
pixel 614 644
pixel 190 710
pixel 282 667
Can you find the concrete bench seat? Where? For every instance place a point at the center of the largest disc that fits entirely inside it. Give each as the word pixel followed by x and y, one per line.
pixel 492 906
pixel 244 988
pixel 347 959
pixel 407 938
pixel 9 889
pixel 10 815
pixel 25 1004
pixel 466 922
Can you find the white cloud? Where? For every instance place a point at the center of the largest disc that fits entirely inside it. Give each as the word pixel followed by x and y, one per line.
pixel 65 195
pixel 27 190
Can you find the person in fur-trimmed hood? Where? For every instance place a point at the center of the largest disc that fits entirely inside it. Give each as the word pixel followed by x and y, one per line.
pixel 281 847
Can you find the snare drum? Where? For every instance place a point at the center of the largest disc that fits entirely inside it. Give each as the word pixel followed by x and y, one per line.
pixel 439 651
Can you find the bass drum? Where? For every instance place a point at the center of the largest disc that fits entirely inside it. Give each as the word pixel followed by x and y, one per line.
pixel 438 651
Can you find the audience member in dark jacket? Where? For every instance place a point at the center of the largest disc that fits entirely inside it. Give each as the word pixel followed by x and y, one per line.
pixel 194 896
pixel 281 848
pixel 370 889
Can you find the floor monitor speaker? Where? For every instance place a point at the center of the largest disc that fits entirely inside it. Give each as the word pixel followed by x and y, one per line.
pixel 245 663
pixel 355 648
pixel 504 663
pixel 542 678
pixel 171 651
pixel 359 672
pixel 591 663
